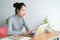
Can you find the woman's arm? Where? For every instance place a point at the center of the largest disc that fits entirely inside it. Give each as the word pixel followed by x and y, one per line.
pixel 25 25
pixel 27 28
pixel 10 31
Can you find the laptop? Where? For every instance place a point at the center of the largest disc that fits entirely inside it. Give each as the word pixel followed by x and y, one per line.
pixel 37 32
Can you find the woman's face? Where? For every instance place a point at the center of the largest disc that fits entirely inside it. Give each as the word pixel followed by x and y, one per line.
pixel 22 11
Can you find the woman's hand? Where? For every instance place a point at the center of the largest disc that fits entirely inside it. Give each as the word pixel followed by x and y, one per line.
pixel 29 32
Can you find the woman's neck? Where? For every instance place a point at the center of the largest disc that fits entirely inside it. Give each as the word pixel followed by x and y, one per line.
pixel 19 16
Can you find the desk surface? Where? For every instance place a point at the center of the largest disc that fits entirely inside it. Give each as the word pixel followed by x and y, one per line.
pixel 47 36
pixel 44 36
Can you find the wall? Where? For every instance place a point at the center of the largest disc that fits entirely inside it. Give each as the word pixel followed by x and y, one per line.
pixel 36 11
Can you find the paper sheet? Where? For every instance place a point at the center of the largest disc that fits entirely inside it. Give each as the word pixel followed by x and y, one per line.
pixel 26 38
pixel 7 39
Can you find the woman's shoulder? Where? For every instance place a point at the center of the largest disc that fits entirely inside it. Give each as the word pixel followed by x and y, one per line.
pixel 11 17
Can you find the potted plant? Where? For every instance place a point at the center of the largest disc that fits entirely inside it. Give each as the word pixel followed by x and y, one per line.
pixel 49 28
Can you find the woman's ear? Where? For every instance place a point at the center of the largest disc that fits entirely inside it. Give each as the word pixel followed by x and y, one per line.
pixel 17 10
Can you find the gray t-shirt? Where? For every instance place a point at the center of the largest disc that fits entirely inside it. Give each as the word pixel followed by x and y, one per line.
pixel 16 24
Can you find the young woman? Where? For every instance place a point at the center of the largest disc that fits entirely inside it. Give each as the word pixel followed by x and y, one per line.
pixel 16 22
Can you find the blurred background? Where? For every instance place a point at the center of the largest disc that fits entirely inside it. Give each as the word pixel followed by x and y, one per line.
pixel 37 10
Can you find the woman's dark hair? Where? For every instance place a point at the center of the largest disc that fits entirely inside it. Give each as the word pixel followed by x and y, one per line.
pixel 18 6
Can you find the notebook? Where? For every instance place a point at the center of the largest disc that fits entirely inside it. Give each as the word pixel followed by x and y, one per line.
pixel 8 39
